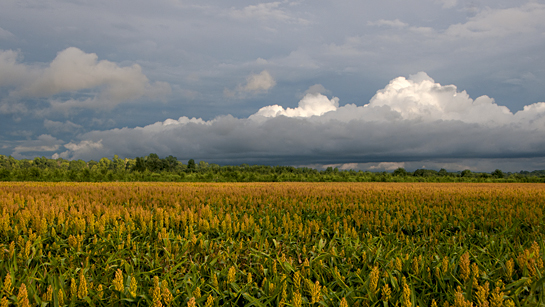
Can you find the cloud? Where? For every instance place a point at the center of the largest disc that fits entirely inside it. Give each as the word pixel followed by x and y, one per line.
pixel 411 119
pixel 447 4
pixel 56 127
pixel 477 165
pixel 23 133
pixel 317 89
pixel 389 23
pixel 487 23
pixel 84 145
pixel 74 71
pixel 255 83
pixel 259 82
pixel 5 34
pixel 345 166
pixel 13 73
pixel 387 166
pixel 266 12
pixel 477 45
pixel 8 106
pixel 525 19
pixel 313 104
pixel 81 146
pixel 420 98
pixel 44 143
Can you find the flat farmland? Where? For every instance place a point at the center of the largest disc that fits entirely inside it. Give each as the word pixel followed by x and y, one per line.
pixel 271 244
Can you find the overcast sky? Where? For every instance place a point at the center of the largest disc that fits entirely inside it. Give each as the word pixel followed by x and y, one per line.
pixel 455 84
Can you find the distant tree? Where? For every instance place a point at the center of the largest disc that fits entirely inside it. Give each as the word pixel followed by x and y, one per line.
pixel 498 174
pixel 92 164
pixel 117 163
pixel 62 163
pixel 153 168
pixel 13 163
pixel 483 175
pixel 400 172
pixel 425 173
pixel 5 174
pixel 466 173
pixel 104 163
pixel 76 165
pixel 43 163
pixel 129 163
pixel 4 163
pixel 203 165
pixel 170 163
pixel 191 164
pixel 86 175
pixel 153 163
pixel 34 173
pixel 139 165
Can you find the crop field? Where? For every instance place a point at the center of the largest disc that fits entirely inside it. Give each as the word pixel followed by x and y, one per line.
pixel 271 244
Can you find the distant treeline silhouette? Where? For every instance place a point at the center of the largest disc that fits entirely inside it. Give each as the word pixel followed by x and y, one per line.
pixel 153 168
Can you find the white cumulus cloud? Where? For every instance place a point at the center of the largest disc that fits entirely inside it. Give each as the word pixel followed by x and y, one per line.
pixel 419 97
pixel 12 73
pixel 313 104
pixel 73 71
pixel 259 82
pixel 255 83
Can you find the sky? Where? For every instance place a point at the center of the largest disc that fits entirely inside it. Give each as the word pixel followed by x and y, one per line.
pixel 366 85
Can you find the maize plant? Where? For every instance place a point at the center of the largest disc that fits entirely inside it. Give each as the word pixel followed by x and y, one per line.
pixel 263 244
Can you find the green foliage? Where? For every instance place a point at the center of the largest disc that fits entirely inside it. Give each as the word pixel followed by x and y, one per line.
pixel 154 168
pixel 191 164
pixel 497 174
pixel 401 172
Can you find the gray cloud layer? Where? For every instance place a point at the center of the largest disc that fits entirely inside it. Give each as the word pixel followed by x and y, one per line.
pixel 410 119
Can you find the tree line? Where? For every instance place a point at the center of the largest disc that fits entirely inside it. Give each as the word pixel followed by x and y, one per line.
pixel 154 168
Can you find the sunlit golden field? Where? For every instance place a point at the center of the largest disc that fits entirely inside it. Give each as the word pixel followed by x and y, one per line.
pixel 271 244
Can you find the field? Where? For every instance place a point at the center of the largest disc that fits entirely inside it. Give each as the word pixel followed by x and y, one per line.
pixel 265 244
